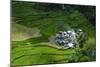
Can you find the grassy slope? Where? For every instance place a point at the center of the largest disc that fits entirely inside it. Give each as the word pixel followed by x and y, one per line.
pixel 30 51
pixel 39 55
pixel 20 32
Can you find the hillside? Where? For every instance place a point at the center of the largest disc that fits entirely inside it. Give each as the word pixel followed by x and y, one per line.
pixel 33 25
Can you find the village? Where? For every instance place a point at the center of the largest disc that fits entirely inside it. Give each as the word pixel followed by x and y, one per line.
pixel 71 38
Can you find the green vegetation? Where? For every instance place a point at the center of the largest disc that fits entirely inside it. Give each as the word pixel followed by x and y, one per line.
pixel 45 19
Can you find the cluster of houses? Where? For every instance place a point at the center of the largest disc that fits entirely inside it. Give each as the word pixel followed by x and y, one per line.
pixel 68 38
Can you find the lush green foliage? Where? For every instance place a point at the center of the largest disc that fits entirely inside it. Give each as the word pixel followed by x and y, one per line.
pixel 49 19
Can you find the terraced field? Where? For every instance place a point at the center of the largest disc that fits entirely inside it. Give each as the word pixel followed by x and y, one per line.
pixel 34 24
pixel 25 48
pixel 42 53
pixel 20 32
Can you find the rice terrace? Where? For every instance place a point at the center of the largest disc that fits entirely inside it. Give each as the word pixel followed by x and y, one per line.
pixel 48 33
